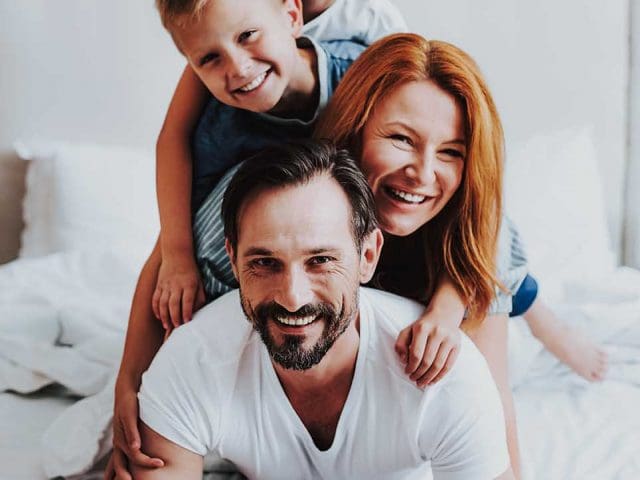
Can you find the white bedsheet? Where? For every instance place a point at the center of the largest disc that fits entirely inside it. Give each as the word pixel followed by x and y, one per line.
pixel 63 317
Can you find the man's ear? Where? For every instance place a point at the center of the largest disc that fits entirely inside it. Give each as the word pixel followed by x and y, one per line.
pixel 293 9
pixel 370 254
pixel 232 257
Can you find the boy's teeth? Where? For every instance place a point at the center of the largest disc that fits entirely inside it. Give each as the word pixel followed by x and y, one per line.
pixel 408 197
pixel 298 322
pixel 255 83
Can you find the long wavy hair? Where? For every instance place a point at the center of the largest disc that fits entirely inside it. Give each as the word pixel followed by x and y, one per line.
pixel 461 240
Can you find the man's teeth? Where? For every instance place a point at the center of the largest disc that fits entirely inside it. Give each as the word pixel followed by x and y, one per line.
pixel 407 197
pixel 297 322
pixel 255 83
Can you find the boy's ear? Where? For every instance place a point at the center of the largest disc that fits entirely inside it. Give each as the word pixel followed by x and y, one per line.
pixel 293 8
pixel 370 254
pixel 232 257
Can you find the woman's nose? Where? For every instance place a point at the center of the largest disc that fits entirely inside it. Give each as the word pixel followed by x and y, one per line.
pixel 423 168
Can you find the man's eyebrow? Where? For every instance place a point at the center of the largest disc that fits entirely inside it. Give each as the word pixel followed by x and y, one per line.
pixel 319 250
pixel 258 251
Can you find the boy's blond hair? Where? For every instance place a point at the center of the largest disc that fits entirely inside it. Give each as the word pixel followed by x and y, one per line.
pixel 179 12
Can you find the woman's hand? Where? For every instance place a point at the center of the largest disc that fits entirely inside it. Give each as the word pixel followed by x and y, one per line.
pixel 127 447
pixel 429 347
pixel 178 292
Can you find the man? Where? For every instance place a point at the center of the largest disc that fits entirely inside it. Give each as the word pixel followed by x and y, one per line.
pixel 311 386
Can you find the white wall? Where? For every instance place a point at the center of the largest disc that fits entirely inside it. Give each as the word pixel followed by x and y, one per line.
pixel 89 70
pixel 632 237
pixel 550 64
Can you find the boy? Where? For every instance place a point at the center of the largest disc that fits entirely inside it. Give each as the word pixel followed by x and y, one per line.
pixel 268 85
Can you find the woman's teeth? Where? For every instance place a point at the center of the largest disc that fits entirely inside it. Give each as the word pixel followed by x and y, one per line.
pixel 255 83
pixel 407 197
pixel 296 322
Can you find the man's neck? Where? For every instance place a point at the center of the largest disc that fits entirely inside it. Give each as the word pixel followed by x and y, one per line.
pixel 301 97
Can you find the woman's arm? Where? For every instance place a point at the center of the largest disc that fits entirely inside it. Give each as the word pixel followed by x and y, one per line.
pixel 429 347
pixel 179 285
pixel 491 339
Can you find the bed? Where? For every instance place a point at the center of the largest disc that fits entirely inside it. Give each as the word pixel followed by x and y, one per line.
pixel 64 307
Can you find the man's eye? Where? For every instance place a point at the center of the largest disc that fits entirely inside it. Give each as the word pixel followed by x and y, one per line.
pixel 244 36
pixel 320 260
pixel 264 263
pixel 209 57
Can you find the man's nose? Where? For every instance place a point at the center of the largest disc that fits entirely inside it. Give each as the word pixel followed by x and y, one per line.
pixel 423 168
pixel 294 290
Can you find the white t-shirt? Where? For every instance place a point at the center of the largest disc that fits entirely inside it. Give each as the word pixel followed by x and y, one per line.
pixel 364 21
pixel 212 387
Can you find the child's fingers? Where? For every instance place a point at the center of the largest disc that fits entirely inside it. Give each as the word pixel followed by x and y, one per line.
pixel 109 472
pixel 175 301
pixel 402 344
pixel 417 348
pixel 200 298
pixel 155 302
pixel 163 308
pixel 451 360
pixel 188 298
pixel 120 465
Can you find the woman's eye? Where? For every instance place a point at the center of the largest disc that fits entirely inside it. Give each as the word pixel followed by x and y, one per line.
pixel 246 35
pixel 397 137
pixel 451 152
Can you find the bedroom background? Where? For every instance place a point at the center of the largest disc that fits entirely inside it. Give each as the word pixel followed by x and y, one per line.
pixel 84 86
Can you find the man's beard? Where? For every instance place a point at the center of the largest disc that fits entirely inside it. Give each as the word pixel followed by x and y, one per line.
pixel 291 354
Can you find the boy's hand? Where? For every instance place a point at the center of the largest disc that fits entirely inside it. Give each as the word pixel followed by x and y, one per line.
pixel 429 348
pixel 178 293
pixel 126 439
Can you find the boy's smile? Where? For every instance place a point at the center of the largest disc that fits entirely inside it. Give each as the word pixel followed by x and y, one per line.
pixel 245 51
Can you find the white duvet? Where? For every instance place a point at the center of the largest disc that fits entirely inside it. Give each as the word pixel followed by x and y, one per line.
pixel 63 317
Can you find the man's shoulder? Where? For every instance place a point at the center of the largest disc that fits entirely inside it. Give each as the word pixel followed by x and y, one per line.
pixel 219 331
pixel 390 310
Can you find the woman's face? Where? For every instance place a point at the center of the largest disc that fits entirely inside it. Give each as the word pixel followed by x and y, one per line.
pixel 413 152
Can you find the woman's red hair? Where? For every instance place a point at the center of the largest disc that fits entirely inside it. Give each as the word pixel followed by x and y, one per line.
pixel 461 240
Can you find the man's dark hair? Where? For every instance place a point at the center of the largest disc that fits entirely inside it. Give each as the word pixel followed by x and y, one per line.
pixel 297 163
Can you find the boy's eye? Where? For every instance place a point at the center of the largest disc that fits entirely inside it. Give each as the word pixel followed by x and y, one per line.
pixel 246 35
pixel 209 57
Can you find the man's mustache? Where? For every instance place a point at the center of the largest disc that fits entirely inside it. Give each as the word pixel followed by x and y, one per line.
pixel 275 310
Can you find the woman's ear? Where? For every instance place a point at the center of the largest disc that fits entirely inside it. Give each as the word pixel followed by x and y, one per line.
pixel 370 254
pixel 232 257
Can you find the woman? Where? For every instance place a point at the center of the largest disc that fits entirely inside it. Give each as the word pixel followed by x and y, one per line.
pixel 419 116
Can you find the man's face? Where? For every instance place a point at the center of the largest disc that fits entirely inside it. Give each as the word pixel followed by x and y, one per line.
pixel 299 268
pixel 244 51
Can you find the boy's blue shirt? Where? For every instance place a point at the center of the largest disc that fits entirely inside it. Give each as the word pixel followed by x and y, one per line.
pixel 227 135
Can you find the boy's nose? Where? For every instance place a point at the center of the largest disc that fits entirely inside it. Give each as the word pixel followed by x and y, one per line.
pixel 238 65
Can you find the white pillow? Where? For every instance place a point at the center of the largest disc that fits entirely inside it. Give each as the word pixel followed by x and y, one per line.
pixel 88 198
pixel 553 193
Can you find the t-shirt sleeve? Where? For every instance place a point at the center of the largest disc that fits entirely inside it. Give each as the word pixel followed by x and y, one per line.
pixel 471 440
pixel 512 266
pixel 385 20
pixel 172 395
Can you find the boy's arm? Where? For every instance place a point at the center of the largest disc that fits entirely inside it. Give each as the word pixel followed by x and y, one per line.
pixel 429 346
pixel 144 338
pixel 178 282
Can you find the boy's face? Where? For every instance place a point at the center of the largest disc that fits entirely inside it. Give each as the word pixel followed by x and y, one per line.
pixel 244 51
